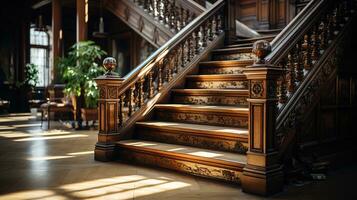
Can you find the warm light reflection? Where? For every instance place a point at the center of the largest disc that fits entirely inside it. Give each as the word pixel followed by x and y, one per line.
pixel 51 138
pixel 176 149
pixel 205 154
pixel 26 125
pixel 141 144
pixel 81 153
pixel 31 194
pixel 48 158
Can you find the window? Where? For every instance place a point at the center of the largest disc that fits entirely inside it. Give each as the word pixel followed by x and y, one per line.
pixel 39 54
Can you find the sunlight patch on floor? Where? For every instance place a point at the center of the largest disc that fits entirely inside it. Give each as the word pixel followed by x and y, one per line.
pixel 51 137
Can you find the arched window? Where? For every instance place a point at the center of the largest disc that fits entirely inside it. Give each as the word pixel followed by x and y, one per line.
pixel 39 54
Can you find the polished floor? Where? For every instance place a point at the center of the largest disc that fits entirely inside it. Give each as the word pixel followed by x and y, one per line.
pixel 58 164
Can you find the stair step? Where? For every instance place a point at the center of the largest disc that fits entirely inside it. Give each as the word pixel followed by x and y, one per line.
pixel 224 67
pixel 202 114
pixel 204 136
pixel 231 97
pixel 252 40
pixel 233 53
pixel 214 81
pixel 196 161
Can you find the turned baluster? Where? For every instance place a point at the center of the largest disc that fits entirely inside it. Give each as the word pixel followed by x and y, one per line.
pixel 307 53
pixel 197 41
pixel 298 64
pixel 190 49
pixel 176 60
pixel 160 10
pixel 183 54
pixel 204 35
pixel 219 24
pixel 323 34
pixel 182 17
pixel 171 19
pixel 169 69
pixel 155 9
pixel 121 109
pixel 282 84
pixel 178 18
pixel 151 88
pixel 314 46
pixel 141 93
pixel 146 5
pixel 291 73
pixel 159 76
pixel 131 100
pixel 210 25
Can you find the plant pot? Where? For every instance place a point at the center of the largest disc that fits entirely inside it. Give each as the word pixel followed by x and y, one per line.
pixel 89 114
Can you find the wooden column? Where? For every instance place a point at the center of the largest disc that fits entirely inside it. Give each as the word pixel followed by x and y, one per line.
pixel 263 174
pixel 82 19
pixel 230 21
pixel 56 34
pixel 108 112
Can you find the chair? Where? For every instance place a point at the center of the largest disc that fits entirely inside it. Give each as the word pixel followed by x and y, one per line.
pixel 57 103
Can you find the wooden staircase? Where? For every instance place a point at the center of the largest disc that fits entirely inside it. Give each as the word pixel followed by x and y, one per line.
pixel 203 129
pixel 219 111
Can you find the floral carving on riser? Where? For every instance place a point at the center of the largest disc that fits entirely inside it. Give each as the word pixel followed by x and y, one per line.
pixel 218 84
pixel 204 118
pixel 223 70
pixel 193 140
pixel 237 56
pixel 211 100
pixel 180 165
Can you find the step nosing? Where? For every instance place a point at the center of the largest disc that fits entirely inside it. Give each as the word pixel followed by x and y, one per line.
pixel 203 108
pixel 201 154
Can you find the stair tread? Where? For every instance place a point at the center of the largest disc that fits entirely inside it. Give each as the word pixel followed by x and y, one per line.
pixel 188 152
pixel 227 63
pixel 204 129
pixel 245 49
pixel 267 37
pixel 210 108
pixel 212 91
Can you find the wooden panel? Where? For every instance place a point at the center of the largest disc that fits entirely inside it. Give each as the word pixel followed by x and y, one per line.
pixel 257 140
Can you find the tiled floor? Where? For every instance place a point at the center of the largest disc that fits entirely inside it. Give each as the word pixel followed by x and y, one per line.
pixel 58 164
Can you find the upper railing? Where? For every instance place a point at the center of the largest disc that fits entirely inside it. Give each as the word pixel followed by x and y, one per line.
pixel 302 45
pixel 301 50
pixel 133 95
pixel 174 14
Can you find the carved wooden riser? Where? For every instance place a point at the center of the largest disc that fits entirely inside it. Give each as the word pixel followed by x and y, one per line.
pixel 224 67
pixel 217 82
pixel 236 53
pixel 193 165
pixel 204 115
pixel 210 99
pixel 196 136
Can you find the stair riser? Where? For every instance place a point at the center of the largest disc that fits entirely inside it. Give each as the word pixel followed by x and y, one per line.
pixel 217 84
pixel 211 100
pixel 221 70
pixel 210 118
pixel 185 166
pixel 191 139
pixel 234 56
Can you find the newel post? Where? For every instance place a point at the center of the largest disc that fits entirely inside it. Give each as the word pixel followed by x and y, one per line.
pixel 108 104
pixel 263 173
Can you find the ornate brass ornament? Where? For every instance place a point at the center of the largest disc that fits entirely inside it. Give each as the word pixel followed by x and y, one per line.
pixel 257 89
pixel 261 49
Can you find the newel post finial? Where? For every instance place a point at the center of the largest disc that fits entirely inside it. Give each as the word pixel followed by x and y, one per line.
pixel 261 49
pixel 109 65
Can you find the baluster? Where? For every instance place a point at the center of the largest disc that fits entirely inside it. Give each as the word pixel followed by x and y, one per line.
pixel 291 72
pixel 141 92
pixel 204 35
pixel 190 50
pixel 159 76
pixel 131 100
pixel 307 54
pixel 121 111
pixel 169 68
pixel 219 23
pixel 323 33
pixel 146 5
pixel 176 60
pixel 182 17
pixel 183 57
pixel 151 88
pixel 210 25
pixel 155 9
pixel 282 89
pixel 314 45
pixel 178 19
pixel 197 41
pixel 214 25
pixel 298 64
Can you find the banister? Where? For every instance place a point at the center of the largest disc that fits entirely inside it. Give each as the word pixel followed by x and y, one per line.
pixel 147 65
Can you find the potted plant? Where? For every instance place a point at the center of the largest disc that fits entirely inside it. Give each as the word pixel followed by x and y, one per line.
pixel 78 71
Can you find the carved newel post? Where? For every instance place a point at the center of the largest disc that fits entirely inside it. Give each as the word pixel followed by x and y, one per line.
pixel 108 103
pixel 263 174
